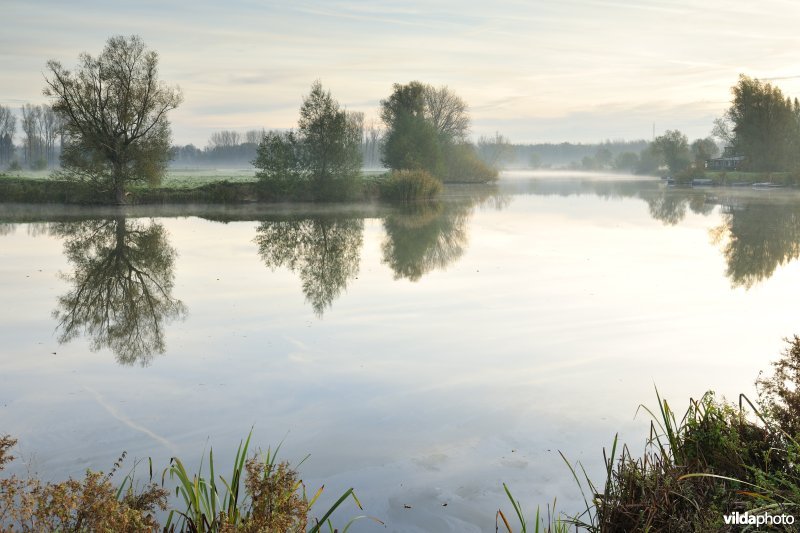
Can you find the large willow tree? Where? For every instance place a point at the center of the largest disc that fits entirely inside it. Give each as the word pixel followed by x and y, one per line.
pixel 115 116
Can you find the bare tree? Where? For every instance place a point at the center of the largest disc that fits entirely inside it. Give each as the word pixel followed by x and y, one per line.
pixel 225 139
pixel 8 126
pixel 494 150
pixel 51 125
pixel 447 112
pixel 355 122
pixel 31 128
pixel 373 138
pixel 254 136
pixel 115 116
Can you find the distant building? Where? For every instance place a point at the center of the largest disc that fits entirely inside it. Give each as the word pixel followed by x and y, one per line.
pixel 729 160
pixel 724 163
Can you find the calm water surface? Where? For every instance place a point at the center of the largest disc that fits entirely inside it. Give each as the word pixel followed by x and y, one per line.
pixel 423 357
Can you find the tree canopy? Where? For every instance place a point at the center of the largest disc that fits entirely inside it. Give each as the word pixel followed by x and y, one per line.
pixel 762 125
pixel 673 148
pixel 426 129
pixel 323 155
pixel 114 111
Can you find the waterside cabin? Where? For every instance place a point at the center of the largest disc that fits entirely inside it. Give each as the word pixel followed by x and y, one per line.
pixel 724 163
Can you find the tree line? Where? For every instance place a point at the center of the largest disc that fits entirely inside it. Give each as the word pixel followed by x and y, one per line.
pixel 42 139
pixel 232 147
pixel 110 117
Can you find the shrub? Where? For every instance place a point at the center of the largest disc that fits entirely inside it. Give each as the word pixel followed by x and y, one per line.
pixel 91 504
pixel 464 166
pixel 410 186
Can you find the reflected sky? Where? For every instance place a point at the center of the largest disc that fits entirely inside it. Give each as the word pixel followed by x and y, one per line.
pixel 521 325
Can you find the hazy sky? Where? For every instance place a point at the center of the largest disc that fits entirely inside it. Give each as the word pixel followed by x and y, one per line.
pixel 566 70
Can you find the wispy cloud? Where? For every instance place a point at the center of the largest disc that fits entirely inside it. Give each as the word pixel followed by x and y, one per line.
pixel 247 63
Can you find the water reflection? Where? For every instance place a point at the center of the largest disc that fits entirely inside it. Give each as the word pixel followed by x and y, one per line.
pixel 324 251
pixel 670 205
pixel 422 238
pixel 122 270
pixel 120 293
pixel 756 238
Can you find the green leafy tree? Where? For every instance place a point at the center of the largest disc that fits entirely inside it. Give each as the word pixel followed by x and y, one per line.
pixel 412 143
pixel 764 126
pixel 703 149
pixel 426 129
pixel 330 140
pixel 324 154
pixel 114 111
pixel 280 162
pixel 673 148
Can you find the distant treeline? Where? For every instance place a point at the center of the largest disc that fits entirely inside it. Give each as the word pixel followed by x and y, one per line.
pixel 232 148
pixel 41 137
pixel 603 154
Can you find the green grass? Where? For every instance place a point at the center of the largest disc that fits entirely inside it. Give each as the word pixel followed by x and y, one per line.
pixel 189 179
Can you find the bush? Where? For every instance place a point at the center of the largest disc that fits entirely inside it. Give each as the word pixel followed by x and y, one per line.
pixel 15 166
pixel 91 504
pixel 39 164
pixel 410 186
pixel 464 166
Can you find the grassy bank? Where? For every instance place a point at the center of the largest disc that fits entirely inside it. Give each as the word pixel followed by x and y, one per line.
pixel 739 178
pixel 222 187
pixel 25 190
pixel 716 463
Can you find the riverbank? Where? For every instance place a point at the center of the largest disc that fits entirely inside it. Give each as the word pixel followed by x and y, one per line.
pixel 212 187
pixel 740 179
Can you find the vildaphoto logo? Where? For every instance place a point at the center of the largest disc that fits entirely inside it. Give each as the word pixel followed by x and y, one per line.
pixel 743 519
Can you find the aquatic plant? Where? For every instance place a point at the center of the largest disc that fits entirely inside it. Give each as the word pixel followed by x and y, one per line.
pixel 261 494
pixel 716 459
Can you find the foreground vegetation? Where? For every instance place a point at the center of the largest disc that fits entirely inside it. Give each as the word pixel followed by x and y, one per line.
pixel 717 459
pixel 717 465
pixel 262 494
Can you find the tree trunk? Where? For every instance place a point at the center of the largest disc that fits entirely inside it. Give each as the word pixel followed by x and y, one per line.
pixel 119 184
pixel 119 192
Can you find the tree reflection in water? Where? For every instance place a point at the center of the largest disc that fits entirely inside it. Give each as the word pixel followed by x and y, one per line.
pixel 422 238
pixel 756 238
pixel 121 287
pixel 324 251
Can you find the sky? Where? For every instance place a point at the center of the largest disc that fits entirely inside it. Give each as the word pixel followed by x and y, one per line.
pixel 535 71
